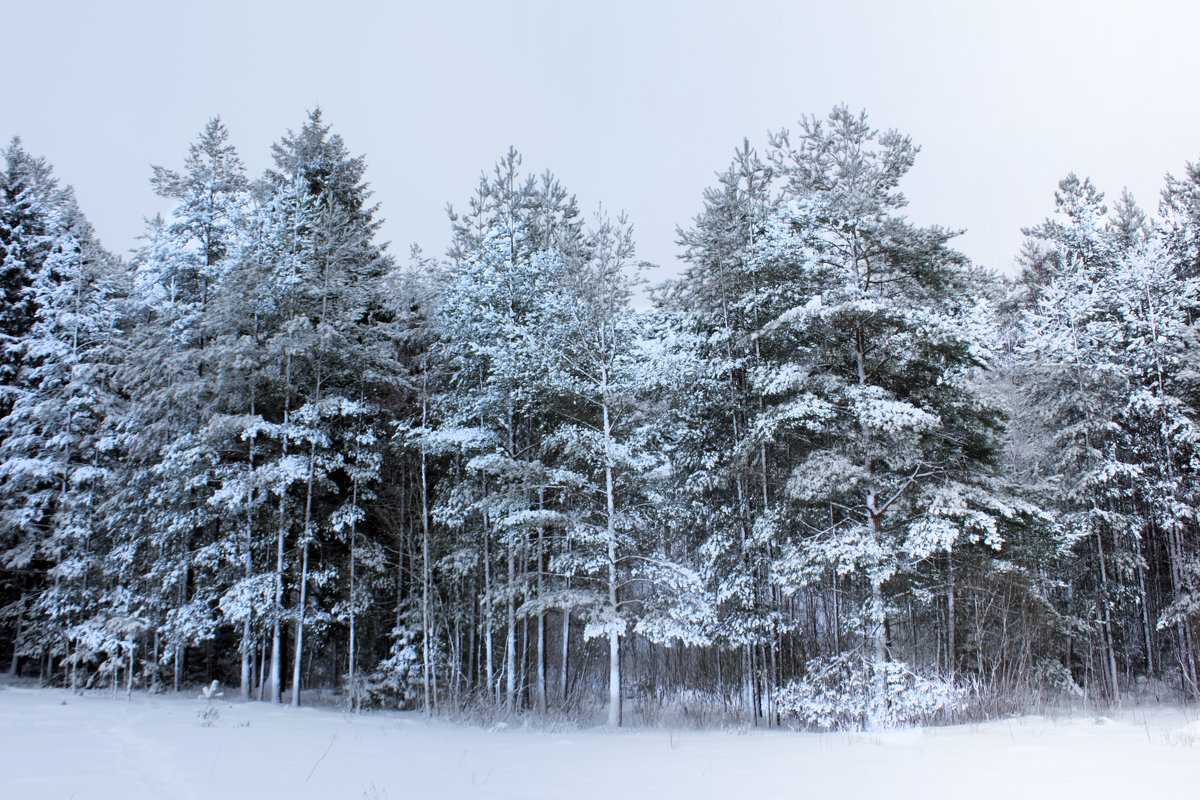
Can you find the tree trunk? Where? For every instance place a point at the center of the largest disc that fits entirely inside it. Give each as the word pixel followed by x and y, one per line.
pixel 16 658
pixel 247 645
pixel 247 676
pixel 540 687
pixel 490 669
pixel 566 655
pixel 129 673
pixel 951 643
pixel 510 639
pixel 614 636
pixel 276 689
pixel 299 651
pixel 273 679
pixel 351 677
pixel 426 622
pixel 308 502
pixel 879 641
pixel 1109 651
pixel 262 670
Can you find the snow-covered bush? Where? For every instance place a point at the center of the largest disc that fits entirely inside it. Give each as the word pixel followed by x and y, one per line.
pixel 396 681
pixel 844 692
pixel 211 693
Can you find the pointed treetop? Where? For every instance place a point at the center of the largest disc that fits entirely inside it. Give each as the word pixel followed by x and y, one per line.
pixel 212 164
pixel 320 162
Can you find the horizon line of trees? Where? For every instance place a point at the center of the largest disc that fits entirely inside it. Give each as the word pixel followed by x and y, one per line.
pixel 835 465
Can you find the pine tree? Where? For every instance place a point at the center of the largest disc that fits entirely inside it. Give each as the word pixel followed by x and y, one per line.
pixel 330 339
pixel 1107 353
pixel 518 234
pixel 714 329
pixel 867 379
pixel 175 456
pixel 591 345
pixel 1179 208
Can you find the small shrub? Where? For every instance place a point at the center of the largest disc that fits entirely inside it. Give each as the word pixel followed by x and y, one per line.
pixel 845 692
pixel 210 693
pixel 397 680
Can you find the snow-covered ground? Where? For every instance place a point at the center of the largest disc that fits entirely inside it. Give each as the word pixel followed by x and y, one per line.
pixel 54 744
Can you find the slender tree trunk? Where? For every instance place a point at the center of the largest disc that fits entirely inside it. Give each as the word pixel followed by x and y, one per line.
pixel 299 651
pixel 523 657
pixel 273 680
pixel 307 536
pixel 951 643
pixel 1144 605
pixel 247 645
pixel 566 655
pixel 426 622
pixel 836 621
pixel 247 676
pixel 540 689
pixel 510 639
pixel 472 677
pixel 566 642
pixel 262 669
pixel 276 689
pixel 179 648
pixel 129 673
pixel 302 610
pixel 16 658
pixel 351 676
pixel 75 663
pixel 1109 652
pixel 879 642
pixel 614 636
pixel 490 669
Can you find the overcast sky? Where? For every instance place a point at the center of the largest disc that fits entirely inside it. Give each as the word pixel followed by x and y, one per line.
pixel 633 105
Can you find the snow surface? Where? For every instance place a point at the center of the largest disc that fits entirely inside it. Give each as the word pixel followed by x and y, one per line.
pixel 54 744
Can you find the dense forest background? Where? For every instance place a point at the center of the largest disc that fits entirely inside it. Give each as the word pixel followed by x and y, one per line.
pixel 834 473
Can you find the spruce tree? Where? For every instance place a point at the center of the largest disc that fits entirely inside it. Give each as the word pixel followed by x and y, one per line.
pixel 55 449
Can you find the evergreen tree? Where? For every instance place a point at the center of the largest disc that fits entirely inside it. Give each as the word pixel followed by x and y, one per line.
pixel 594 358
pixel 55 455
pixel 30 194
pixel 867 381
pixel 519 233
pixel 713 330
pixel 174 456
pixel 1107 352
pixel 331 344
pixel 1179 208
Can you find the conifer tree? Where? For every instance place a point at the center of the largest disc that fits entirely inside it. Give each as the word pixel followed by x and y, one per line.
pixel 1108 358
pixel 329 338
pixel 870 342
pixel 55 457
pixel 165 434
pixel 714 329
pixel 506 250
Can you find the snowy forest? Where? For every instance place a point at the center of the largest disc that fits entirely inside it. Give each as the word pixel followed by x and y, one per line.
pixel 834 474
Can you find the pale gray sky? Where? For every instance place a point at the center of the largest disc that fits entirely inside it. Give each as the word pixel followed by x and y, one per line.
pixel 631 104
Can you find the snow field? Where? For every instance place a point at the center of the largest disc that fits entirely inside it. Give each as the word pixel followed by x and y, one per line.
pixel 57 745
